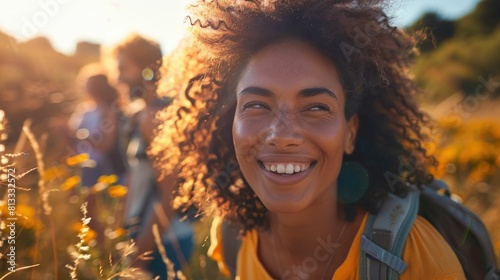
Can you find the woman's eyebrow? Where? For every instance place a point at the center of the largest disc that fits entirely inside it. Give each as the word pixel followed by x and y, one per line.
pixel 256 90
pixel 309 92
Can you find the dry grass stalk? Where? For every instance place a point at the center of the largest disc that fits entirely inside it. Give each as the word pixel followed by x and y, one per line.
pixel 42 190
pixel 171 274
pixel 128 272
pixel 19 269
pixel 81 249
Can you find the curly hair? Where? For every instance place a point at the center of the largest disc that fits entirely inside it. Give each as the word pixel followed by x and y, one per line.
pixel 373 59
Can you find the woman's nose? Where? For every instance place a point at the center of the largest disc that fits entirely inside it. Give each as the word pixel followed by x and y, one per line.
pixel 284 131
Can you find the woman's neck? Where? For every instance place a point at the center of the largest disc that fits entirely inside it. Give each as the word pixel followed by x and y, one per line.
pixel 299 232
pixel 319 233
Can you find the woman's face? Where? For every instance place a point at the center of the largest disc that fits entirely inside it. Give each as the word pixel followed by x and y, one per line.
pixel 289 128
pixel 129 71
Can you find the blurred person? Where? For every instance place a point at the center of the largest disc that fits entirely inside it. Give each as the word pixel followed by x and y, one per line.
pixel 96 127
pixel 149 197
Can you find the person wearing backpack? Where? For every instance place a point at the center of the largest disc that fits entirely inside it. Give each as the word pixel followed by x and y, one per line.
pixel 295 137
pixel 148 200
pixel 94 129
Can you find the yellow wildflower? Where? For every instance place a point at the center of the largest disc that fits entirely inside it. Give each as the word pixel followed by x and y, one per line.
pixel 98 187
pixel 90 234
pixel 54 172
pixel 70 183
pixel 25 210
pixel 117 191
pixel 119 232
pixel 76 160
pixel 76 226
pixel 108 179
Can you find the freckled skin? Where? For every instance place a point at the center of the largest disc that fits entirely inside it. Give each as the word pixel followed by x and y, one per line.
pixel 290 108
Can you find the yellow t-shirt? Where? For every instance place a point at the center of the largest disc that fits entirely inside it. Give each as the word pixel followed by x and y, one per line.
pixel 426 252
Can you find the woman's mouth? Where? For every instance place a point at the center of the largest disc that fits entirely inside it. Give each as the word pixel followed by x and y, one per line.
pixel 286 168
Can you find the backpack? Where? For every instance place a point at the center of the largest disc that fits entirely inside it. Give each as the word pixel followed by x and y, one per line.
pixel 385 235
pixel 117 157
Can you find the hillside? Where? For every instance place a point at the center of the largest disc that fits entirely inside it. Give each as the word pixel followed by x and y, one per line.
pixel 459 72
pixel 461 54
pixel 38 82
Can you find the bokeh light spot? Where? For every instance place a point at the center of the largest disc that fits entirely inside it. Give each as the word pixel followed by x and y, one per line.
pixel 451 168
pixel 148 74
pixel 82 133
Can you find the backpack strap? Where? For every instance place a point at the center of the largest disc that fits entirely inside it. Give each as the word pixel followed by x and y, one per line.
pixel 385 236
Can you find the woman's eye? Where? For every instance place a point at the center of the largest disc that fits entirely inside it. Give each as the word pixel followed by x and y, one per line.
pixel 319 107
pixel 253 105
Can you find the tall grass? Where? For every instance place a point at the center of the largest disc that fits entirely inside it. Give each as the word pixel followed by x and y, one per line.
pixel 49 247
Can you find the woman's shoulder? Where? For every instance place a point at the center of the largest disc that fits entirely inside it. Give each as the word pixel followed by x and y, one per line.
pixel 428 255
pixel 226 247
pixel 216 249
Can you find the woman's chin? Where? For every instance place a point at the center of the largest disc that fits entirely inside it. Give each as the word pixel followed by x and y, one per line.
pixel 285 205
pixel 296 201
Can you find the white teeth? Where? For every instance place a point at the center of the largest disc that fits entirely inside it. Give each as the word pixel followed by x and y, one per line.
pixel 297 168
pixel 286 168
pixel 280 168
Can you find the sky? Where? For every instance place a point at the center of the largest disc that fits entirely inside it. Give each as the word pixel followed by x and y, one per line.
pixel 107 22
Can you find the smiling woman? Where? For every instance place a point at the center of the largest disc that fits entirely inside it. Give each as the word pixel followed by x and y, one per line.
pixel 301 94
pixel 301 132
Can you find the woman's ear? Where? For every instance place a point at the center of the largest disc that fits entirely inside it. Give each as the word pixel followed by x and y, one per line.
pixel 350 136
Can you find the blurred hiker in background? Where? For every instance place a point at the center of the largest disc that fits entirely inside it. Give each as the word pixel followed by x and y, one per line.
pixel 95 129
pixel 149 196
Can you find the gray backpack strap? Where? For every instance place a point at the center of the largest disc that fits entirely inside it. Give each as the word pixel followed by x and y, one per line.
pixel 385 236
pixel 231 246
